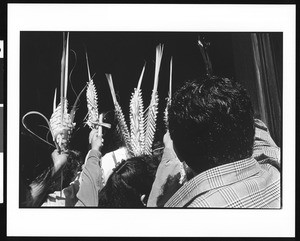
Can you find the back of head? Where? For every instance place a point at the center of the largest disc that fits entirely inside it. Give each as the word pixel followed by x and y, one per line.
pixel 211 123
pixel 128 182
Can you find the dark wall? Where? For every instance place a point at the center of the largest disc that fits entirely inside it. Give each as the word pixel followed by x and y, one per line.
pixel 1 129
pixel 1 81
pixel 122 54
pixel 261 74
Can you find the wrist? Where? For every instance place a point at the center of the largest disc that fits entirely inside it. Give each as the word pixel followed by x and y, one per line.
pixel 94 153
pixel 55 169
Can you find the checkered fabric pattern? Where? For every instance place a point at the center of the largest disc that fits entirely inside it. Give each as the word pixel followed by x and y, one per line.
pixel 248 183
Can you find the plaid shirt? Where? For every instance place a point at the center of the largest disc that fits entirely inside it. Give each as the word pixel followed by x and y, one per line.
pixel 248 183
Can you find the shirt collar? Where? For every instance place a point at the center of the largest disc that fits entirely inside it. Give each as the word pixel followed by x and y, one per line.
pixel 214 178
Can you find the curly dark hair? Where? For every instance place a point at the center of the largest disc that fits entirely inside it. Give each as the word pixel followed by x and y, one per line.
pixel 133 178
pixel 211 123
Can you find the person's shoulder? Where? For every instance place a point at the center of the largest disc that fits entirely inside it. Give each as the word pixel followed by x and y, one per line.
pixel 260 124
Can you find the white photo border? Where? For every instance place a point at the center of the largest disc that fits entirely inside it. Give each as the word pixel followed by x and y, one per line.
pixel 151 222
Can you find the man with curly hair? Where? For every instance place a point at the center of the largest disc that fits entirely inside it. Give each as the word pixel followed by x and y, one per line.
pixel 228 156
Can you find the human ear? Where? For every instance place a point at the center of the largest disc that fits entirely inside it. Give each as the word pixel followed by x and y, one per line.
pixel 143 199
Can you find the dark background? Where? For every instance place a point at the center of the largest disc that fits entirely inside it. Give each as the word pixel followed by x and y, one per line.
pixel 1 78
pixel 123 55
pixel 1 129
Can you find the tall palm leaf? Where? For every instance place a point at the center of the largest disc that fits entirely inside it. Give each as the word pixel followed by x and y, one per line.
pixel 92 100
pixel 136 112
pixel 120 116
pixel 153 106
pixel 169 98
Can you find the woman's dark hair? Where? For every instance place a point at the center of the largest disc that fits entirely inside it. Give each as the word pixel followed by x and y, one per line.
pixel 211 123
pixel 128 182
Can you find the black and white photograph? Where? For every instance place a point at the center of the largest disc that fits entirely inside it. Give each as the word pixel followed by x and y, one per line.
pixel 228 139
pixel 142 120
pixel 1 154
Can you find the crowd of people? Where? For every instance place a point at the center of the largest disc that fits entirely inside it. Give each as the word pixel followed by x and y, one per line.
pixel 215 154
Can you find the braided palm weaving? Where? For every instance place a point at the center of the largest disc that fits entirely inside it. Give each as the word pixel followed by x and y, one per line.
pixel 61 123
pixel 139 137
pixel 94 119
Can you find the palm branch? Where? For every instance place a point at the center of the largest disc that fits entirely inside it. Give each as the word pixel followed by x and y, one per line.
pixel 169 98
pixel 120 116
pixel 136 112
pixel 92 100
pixel 61 123
pixel 153 106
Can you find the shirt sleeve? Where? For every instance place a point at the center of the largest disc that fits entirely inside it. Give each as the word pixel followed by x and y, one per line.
pixel 90 180
pixel 169 167
pixel 265 150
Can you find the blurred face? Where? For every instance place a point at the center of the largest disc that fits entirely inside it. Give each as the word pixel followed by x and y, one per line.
pixel 62 138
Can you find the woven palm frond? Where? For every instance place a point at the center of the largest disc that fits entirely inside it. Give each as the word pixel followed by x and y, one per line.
pixel 94 119
pixel 153 106
pixel 60 123
pixel 61 126
pixel 123 126
pixel 136 110
pixel 169 98
pixel 30 131
pixel 92 104
pixel 151 125
pixel 92 101
pixel 120 116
